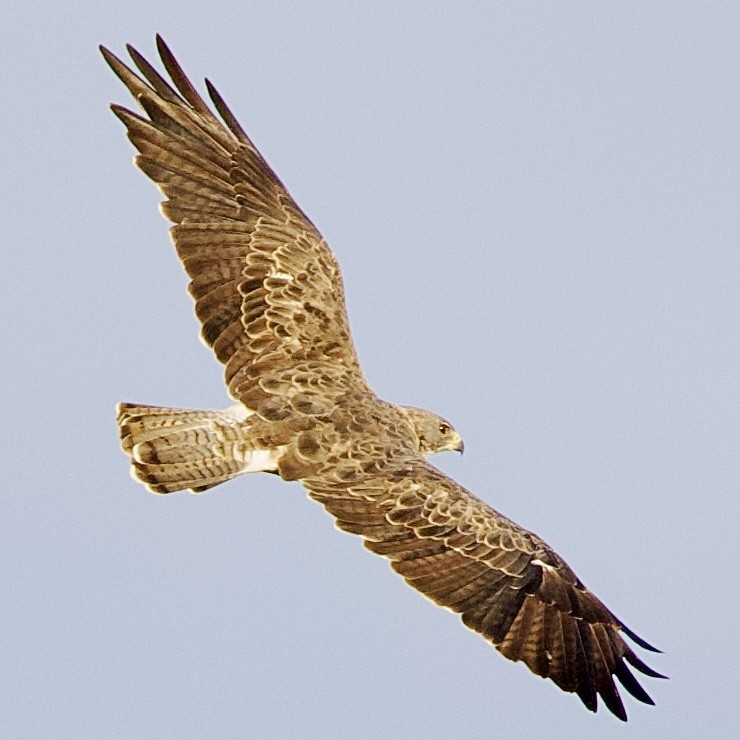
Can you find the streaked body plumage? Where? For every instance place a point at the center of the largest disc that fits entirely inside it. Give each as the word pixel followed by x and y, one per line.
pixel 269 295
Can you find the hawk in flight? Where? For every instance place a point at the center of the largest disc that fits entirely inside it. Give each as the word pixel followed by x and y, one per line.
pixel 268 293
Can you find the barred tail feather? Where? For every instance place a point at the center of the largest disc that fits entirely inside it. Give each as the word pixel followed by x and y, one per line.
pixel 175 449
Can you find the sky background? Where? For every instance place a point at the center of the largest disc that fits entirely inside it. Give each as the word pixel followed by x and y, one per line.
pixel 535 206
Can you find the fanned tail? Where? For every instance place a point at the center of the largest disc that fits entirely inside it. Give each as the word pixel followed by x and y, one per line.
pixel 175 449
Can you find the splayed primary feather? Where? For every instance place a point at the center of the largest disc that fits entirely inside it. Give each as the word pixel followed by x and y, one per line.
pixel 269 295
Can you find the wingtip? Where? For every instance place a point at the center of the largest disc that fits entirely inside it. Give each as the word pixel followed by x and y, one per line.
pixel 162 47
pixel 614 705
pixel 639 640
pixel 110 58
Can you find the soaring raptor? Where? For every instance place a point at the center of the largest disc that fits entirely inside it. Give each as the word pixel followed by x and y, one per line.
pixel 268 293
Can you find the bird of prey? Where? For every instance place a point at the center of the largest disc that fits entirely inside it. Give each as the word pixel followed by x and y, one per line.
pixel 268 293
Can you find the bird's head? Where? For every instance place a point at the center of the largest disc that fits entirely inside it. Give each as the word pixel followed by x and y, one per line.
pixel 435 433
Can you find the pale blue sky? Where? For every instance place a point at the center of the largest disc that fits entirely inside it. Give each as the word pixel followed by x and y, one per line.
pixel 535 206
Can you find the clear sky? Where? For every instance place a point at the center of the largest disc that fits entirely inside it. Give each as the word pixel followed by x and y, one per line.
pixel 536 207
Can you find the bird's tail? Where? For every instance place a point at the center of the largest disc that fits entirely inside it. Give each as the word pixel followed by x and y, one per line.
pixel 174 449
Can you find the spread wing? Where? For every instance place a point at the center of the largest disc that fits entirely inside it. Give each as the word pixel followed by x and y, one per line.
pixel 504 581
pixel 267 288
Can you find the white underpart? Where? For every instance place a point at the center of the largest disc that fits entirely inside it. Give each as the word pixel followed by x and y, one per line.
pixel 255 461
pixel 537 561
pixel 259 461
pixel 239 411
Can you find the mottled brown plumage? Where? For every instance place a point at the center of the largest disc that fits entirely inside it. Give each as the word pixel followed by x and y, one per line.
pixel 268 293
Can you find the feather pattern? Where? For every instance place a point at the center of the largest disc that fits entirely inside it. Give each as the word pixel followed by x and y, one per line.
pixel 505 582
pixel 269 295
pixel 268 289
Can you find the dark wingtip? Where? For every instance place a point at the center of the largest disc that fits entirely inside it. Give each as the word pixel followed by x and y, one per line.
pixel 225 113
pixel 166 55
pixel 612 701
pixel 638 640
pixel 645 669
pixel 109 56
pixel 630 683
pixel 162 47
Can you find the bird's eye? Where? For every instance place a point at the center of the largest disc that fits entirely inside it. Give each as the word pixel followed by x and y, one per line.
pixel 444 428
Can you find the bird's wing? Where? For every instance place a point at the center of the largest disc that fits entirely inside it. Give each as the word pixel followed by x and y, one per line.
pixel 267 288
pixel 504 581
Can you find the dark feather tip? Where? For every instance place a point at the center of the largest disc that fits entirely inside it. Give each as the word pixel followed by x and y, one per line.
pixel 630 683
pixel 638 640
pixel 646 670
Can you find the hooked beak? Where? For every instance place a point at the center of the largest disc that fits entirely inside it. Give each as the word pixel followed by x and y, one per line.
pixel 460 446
